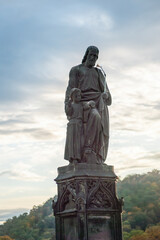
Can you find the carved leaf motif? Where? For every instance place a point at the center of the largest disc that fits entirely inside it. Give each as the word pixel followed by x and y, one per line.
pixel 100 200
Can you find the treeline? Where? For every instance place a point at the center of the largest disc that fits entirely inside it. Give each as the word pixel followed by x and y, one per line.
pixel 39 224
pixel 141 213
pixel 141 205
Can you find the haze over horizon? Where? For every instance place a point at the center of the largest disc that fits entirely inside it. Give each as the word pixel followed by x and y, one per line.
pixel 39 43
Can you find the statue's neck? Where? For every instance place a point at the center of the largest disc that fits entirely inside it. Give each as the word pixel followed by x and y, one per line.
pixel 88 65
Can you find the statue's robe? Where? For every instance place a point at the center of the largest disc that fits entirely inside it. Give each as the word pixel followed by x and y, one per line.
pixel 73 147
pixel 92 84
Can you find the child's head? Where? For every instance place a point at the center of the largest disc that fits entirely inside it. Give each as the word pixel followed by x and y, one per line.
pixel 92 104
pixel 75 95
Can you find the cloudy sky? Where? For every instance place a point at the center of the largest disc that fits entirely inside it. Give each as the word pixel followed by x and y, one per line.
pixel 39 43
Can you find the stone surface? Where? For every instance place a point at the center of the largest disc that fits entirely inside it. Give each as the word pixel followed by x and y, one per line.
pixel 85 169
pixel 87 207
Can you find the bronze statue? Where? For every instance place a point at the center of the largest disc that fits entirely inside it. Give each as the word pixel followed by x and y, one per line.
pixel 88 136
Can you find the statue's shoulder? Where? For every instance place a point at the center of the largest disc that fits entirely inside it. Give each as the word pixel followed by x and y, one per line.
pixel 98 70
pixel 76 68
pixel 101 75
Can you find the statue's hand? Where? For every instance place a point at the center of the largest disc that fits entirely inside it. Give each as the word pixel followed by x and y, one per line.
pixel 68 108
pixel 105 95
pixel 91 104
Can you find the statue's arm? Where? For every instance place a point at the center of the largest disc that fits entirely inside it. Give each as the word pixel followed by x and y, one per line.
pixel 104 88
pixel 72 83
pixel 69 109
pixel 109 98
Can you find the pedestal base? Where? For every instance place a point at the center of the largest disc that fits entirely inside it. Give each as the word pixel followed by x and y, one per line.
pixel 87 207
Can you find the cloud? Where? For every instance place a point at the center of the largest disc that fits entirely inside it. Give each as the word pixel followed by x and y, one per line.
pixel 152 156
pixel 132 158
pixel 91 20
pixel 22 172
pixel 33 132
pixel 24 175
pixel 13 122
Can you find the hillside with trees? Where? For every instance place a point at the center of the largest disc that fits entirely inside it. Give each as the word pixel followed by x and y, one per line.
pixel 39 224
pixel 141 213
pixel 141 204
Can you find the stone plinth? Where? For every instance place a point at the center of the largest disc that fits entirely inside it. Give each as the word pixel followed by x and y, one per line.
pixel 87 207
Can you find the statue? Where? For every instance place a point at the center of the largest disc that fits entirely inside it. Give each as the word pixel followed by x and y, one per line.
pixel 87 206
pixel 74 111
pixel 86 106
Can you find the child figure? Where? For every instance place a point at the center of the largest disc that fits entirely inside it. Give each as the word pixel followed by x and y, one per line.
pixel 74 111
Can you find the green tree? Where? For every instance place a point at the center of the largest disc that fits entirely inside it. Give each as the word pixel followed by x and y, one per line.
pixel 142 199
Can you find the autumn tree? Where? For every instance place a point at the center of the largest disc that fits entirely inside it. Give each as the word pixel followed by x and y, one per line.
pixel 5 238
pixel 153 233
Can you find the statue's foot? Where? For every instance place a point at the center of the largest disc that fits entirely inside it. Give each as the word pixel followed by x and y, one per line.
pixel 100 160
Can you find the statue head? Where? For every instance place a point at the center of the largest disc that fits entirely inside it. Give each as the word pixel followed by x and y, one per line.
pixel 75 95
pixel 92 104
pixel 91 56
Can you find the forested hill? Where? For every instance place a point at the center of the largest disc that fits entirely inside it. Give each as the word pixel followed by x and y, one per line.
pixel 39 224
pixel 141 205
pixel 141 215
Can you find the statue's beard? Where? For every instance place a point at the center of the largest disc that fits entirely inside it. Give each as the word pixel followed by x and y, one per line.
pixel 90 63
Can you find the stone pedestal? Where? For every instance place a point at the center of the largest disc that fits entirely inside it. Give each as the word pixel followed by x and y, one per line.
pixel 87 207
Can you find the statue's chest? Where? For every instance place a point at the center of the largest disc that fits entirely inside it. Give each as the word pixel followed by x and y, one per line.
pixel 88 78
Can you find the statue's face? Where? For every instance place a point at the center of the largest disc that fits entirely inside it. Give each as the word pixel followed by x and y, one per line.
pixel 77 97
pixel 91 58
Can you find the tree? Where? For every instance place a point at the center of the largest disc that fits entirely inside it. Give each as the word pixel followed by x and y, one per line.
pixel 139 237
pixel 153 233
pixel 33 226
pixel 5 238
pixel 141 199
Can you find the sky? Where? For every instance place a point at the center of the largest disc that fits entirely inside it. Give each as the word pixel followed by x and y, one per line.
pixel 39 43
